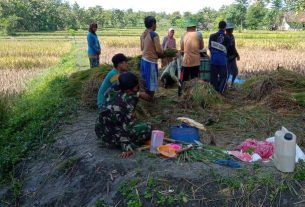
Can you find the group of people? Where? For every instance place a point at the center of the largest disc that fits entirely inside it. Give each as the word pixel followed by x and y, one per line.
pixel 120 91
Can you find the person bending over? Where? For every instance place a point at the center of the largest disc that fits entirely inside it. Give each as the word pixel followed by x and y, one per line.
pixel 116 125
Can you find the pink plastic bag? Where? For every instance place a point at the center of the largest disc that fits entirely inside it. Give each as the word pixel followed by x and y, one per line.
pixel 246 157
pixel 263 148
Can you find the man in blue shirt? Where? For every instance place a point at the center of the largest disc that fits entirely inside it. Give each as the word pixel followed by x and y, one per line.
pixel 219 43
pixel 120 64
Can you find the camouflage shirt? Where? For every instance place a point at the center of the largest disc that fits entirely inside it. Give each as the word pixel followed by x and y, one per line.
pixel 116 124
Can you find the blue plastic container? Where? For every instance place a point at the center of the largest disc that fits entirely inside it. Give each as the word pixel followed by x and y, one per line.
pixel 184 133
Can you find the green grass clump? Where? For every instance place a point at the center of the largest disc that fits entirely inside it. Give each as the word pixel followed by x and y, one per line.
pixel 35 114
pixel 299 173
pixel 101 203
pixel 3 110
pixel 130 192
pixel 300 98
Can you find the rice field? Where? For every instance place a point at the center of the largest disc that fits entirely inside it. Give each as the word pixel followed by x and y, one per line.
pixel 25 56
pixel 268 51
pixel 21 60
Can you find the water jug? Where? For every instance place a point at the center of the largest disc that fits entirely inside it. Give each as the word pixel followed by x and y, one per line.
pixel 156 140
pixel 285 150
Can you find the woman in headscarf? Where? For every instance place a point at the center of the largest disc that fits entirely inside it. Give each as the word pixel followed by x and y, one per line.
pixel 169 42
pixel 94 48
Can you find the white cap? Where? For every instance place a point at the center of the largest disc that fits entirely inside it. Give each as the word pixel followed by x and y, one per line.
pixel 170 29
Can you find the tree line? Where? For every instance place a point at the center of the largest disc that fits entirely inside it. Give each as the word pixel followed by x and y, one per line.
pixel 54 15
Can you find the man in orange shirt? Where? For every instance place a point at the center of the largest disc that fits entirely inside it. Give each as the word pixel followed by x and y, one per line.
pixel 190 45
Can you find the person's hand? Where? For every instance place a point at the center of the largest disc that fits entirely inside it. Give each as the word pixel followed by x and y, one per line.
pixel 127 154
pixel 145 96
pixel 238 58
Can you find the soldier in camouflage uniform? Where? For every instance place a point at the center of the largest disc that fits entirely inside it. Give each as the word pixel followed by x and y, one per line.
pixel 116 125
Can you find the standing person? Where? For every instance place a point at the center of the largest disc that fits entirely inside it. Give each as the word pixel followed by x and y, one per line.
pixel 191 44
pixel 116 124
pixel 151 51
pixel 219 43
pixel 232 54
pixel 94 48
pixel 169 42
pixel 120 65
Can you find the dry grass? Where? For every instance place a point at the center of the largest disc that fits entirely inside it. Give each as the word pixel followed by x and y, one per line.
pixel 252 60
pixel 258 59
pixel 16 54
pixel 20 61
pixel 14 80
pixel 108 52
pixel 259 52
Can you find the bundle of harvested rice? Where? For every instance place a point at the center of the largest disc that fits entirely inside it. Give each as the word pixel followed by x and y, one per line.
pixel 199 93
pixel 281 100
pixel 134 63
pixel 261 88
pixel 89 91
pixel 170 52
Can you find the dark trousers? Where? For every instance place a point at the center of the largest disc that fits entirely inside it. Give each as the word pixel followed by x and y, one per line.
pixel 233 69
pixel 219 76
pixel 187 73
pixel 94 62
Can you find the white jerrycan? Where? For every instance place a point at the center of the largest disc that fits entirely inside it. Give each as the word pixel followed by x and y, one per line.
pixel 285 150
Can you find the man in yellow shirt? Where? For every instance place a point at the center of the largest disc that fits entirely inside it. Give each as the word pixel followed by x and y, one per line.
pixel 190 45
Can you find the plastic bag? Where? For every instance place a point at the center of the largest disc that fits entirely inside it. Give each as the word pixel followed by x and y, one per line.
pixel 262 148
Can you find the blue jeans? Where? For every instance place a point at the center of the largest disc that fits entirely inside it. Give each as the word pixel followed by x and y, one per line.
pixel 94 62
pixel 219 76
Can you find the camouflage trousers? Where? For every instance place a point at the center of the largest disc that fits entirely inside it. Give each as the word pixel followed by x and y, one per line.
pixel 116 131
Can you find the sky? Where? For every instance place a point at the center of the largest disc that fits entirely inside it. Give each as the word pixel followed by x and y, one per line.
pixel 167 6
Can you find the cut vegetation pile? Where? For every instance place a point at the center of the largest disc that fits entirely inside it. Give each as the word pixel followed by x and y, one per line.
pixel 197 93
pixel 279 89
pixel 85 84
pixel 261 88
pixel 249 112
pixel 134 63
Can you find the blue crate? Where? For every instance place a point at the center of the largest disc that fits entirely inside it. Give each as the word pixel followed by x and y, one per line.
pixel 184 133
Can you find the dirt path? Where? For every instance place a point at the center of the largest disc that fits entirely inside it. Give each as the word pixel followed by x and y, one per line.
pixel 94 173
pixel 76 171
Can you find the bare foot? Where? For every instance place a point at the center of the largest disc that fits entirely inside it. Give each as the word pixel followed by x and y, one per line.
pixel 126 154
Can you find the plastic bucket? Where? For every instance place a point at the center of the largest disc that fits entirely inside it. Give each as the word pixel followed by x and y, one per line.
pixel 184 133
pixel 205 69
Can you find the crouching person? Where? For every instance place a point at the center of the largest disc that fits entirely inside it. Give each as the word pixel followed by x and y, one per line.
pixel 116 125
